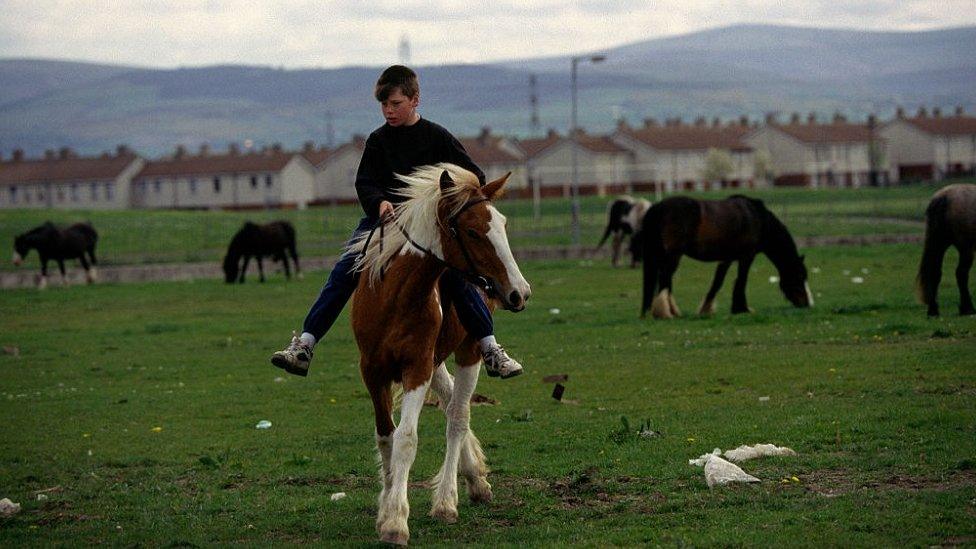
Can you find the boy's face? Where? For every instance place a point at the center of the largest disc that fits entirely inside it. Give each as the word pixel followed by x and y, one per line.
pixel 400 110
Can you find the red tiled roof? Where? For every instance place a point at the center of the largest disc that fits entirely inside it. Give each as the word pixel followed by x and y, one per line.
pixel 954 125
pixel 691 137
pixel 599 143
pixel 486 151
pixel 533 147
pixel 836 132
pixel 216 164
pixel 69 169
pixel 316 156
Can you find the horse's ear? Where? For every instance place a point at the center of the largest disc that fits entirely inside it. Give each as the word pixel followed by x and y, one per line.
pixel 494 189
pixel 446 181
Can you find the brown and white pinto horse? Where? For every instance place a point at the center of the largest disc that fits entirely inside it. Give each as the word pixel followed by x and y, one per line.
pixel 446 222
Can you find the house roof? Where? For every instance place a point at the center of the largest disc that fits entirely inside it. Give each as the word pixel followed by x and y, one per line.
pixel 316 156
pixel 687 137
pixel 66 169
pixel 949 125
pixel 217 164
pixel 533 147
pixel 485 150
pixel 598 143
pixel 835 132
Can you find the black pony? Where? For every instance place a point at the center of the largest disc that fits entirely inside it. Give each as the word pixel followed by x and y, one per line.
pixel 53 242
pixel 274 239
pixel 624 217
pixel 734 229
pixel 950 220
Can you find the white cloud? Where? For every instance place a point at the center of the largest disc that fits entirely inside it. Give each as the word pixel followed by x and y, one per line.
pixel 304 33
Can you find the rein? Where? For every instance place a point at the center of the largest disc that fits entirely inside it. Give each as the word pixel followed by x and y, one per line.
pixel 471 274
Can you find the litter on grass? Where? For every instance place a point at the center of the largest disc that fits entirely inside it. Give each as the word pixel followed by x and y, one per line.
pixel 8 508
pixel 743 453
pixel 263 424
pixel 337 496
pixel 719 472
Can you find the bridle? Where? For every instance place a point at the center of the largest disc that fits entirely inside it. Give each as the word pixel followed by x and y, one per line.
pixel 470 274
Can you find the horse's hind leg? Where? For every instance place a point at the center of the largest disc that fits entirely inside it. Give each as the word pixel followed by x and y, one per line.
pixel 615 246
pixel 64 278
pixel 962 280
pixel 284 262
pixel 294 257
pixel 396 508
pixel 89 277
pixel 94 262
pixel 664 305
pixel 739 304
pixel 260 268
pixel 708 305
pixel 42 283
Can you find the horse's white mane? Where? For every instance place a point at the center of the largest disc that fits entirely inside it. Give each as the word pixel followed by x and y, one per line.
pixel 417 214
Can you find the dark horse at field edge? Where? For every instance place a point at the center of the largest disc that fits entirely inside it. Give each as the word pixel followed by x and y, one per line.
pixel 53 242
pixel 734 229
pixel 950 220
pixel 275 239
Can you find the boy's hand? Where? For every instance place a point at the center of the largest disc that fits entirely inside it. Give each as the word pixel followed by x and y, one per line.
pixel 386 210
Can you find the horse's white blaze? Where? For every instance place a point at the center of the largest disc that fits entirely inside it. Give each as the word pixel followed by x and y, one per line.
pixel 806 286
pixel 499 239
pixel 17 259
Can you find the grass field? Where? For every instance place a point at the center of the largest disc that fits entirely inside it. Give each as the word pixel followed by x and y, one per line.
pixel 135 407
pixel 140 236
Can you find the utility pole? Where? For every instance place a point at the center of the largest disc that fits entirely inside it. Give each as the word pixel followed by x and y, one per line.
pixel 575 210
pixel 533 107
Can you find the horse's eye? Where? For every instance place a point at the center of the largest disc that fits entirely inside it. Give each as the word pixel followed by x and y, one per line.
pixel 472 233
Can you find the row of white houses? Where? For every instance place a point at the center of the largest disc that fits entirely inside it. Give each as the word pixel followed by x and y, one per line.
pixel 652 157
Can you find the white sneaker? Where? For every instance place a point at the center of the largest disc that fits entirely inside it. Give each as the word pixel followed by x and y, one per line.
pixel 499 364
pixel 294 358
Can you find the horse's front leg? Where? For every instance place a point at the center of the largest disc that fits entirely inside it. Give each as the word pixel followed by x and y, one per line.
pixel 260 268
pixel 615 247
pixel 444 505
pixel 64 277
pixel 383 412
pixel 708 305
pixel 396 509
pixel 739 304
pixel 42 283
pixel 962 280
pixel 89 276
pixel 240 278
pixel 284 261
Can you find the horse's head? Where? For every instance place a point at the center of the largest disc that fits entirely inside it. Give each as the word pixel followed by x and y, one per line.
pixel 230 267
pixel 473 239
pixel 21 247
pixel 793 283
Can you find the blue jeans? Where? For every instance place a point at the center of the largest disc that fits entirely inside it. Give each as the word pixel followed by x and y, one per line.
pixel 471 309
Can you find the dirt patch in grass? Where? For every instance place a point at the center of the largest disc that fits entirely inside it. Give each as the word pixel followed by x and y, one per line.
pixel 836 482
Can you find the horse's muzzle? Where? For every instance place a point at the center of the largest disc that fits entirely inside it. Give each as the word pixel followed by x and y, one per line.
pixel 515 300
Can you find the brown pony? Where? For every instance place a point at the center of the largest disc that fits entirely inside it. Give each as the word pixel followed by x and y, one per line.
pixel 735 229
pixel 446 222
pixel 950 220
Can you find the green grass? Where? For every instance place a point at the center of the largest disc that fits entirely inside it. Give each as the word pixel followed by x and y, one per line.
pixel 140 236
pixel 877 399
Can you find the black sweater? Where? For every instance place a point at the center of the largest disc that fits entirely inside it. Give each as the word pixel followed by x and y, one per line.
pixel 399 150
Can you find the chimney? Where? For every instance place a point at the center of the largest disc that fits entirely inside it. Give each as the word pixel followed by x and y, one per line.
pixel 105 155
pixel 936 112
pixel 18 155
pixel 872 120
pixel 579 132
pixel 900 112
pixel 770 118
pixel 308 147
pixel 678 122
pixel 650 122
pixel 551 133
pixel 700 122
pixel 839 118
pixel 795 118
pixel 233 149
pixel 922 113
pixel 204 150
pixel 744 120
pixel 812 118
pixel 65 153
pixel 276 148
pixel 122 150
pixel 484 136
pixel 180 152
pixel 716 122
pixel 960 111
pixel 49 154
pixel 622 125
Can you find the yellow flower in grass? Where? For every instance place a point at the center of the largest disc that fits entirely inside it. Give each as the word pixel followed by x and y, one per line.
pixel 156 429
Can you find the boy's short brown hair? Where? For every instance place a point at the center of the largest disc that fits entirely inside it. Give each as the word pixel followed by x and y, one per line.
pixel 397 77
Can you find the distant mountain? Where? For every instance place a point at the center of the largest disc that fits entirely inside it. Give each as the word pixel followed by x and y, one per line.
pixel 725 72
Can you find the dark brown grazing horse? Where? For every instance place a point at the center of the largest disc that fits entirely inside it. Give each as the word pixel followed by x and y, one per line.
pixel 275 239
pixel 734 229
pixel 53 242
pixel 950 220
pixel 446 222
pixel 624 217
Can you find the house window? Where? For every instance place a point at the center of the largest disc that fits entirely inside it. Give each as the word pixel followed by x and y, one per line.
pixel 268 181
pixel 157 186
pixel 193 186
pixel 109 191
pixel 216 183
pixel 254 181
pixel 60 194
pixel 74 192
pixel 13 194
pixel 93 187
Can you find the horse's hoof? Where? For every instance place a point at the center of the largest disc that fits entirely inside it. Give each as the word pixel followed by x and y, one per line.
pixel 444 514
pixel 480 496
pixel 395 537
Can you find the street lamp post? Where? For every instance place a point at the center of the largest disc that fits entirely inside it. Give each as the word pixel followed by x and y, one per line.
pixel 575 210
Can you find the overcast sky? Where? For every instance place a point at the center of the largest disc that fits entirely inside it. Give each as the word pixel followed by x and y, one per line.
pixel 305 33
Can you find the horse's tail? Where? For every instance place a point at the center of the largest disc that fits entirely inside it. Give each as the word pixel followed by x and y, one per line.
pixel 653 250
pixel 937 238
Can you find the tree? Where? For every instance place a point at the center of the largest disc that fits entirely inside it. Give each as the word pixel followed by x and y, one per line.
pixel 718 165
pixel 762 165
